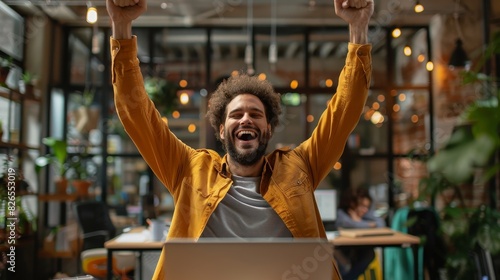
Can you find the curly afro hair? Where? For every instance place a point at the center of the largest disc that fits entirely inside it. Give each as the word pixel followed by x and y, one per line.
pixel 236 85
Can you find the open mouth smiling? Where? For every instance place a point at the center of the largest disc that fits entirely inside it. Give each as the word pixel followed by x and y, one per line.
pixel 246 135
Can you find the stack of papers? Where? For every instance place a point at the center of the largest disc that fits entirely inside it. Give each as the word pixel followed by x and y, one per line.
pixel 134 237
pixel 366 232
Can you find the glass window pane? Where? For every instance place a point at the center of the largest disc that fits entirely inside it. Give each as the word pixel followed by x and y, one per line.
pixel 370 135
pixel 411 121
pixel 123 180
pixel 408 174
pixel 289 65
pixel 317 104
pixel 10 115
pixel 227 52
pixel 78 45
pixel 179 54
pixel 371 174
pixel 410 57
pixel 378 39
pixel 291 130
pixel 327 51
pixel 185 122
pixel 83 115
pixel 143 49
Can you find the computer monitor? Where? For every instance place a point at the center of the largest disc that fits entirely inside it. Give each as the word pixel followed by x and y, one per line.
pixel 327 205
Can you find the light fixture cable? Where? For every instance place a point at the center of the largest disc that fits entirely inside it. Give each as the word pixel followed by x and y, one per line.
pixel 273 51
pixel 249 47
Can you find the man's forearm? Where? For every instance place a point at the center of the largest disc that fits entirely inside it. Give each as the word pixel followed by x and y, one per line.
pixel 358 34
pixel 122 30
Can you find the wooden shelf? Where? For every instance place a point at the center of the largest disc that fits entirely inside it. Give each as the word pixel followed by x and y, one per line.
pixel 21 146
pixel 15 95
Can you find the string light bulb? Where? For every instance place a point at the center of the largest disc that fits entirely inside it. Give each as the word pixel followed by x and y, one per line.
pixel 91 14
pixel 418 7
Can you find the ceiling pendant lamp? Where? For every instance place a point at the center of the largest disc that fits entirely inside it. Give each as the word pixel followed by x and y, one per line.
pixel 418 7
pixel 91 13
pixel 458 58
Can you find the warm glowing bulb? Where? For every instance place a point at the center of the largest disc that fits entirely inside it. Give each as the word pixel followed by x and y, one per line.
pixel 337 166
pixel 419 8
pixel 176 114
pixel 183 83
pixel 91 15
pixel 329 82
pixel 396 33
pixel 421 58
pixel 184 98
pixel 262 76
pixel 191 128
pixel 310 118
pixel 407 50
pixel 294 84
pixel 429 66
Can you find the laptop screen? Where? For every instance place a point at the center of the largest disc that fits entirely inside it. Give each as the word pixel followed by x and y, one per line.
pixel 262 259
pixel 327 204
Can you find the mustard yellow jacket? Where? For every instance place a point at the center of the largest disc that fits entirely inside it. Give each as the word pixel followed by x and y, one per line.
pixel 199 179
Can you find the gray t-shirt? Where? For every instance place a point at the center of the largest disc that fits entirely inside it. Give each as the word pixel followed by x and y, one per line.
pixel 244 213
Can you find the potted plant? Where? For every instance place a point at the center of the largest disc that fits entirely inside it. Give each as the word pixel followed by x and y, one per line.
pixel 77 168
pixel 58 158
pixel 469 159
pixel 82 171
pixel 27 84
pixel 5 65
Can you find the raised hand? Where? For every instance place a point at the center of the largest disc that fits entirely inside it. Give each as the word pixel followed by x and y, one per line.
pixel 122 13
pixel 357 14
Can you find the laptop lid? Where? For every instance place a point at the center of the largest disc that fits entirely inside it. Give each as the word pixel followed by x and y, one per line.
pixel 237 259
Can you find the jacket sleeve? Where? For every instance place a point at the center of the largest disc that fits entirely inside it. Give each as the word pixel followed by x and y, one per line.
pixel 150 133
pixel 326 144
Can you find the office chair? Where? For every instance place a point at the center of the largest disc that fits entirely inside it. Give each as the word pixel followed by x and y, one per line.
pixel 97 228
pixel 483 262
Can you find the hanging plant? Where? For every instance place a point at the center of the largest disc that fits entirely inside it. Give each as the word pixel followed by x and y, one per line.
pixel 163 93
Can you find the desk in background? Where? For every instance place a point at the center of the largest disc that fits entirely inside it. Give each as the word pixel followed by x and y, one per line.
pixel 136 240
pixel 397 239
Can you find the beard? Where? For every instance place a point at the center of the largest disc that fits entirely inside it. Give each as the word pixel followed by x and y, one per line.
pixel 247 158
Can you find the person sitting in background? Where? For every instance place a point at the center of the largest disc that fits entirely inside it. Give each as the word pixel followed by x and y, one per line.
pixel 355 211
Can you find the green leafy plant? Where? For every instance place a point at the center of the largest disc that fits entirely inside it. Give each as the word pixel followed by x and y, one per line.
pixel 468 160
pixel 163 93
pixel 28 78
pixel 75 166
pixel 58 157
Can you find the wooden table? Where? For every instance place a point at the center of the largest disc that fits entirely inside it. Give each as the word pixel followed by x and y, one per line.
pixel 397 239
pixel 126 242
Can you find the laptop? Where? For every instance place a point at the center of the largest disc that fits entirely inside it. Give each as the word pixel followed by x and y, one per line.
pixel 248 259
